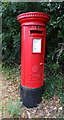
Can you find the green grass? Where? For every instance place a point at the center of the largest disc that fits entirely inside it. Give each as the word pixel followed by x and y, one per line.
pixel 53 83
pixel 14 108
pixel 11 73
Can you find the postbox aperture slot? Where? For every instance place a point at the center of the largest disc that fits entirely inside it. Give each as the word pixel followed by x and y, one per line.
pixel 36 46
pixel 37 26
pixel 36 31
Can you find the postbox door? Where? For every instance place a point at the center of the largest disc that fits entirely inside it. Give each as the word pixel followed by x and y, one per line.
pixel 37 61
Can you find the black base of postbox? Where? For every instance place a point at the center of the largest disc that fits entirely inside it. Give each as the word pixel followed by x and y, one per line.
pixel 31 97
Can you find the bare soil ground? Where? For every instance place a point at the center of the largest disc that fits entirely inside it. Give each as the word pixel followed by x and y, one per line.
pixel 0 96
pixel 46 109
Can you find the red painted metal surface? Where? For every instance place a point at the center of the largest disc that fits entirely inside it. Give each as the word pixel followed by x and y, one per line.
pixel 33 26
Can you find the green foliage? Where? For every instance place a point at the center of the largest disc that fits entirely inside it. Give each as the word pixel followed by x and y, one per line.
pixel 14 109
pixel 59 53
pixel 11 27
pixel 11 73
pixel 11 35
pixel 53 84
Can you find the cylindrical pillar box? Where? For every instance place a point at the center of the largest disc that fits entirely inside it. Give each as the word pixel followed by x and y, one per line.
pixel 33 39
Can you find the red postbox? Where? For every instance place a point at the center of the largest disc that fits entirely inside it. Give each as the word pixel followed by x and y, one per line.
pixel 33 35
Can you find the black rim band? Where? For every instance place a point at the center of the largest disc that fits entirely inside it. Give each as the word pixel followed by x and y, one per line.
pixel 31 97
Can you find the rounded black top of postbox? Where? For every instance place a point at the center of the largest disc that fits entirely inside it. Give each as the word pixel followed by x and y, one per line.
pixel 33 16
